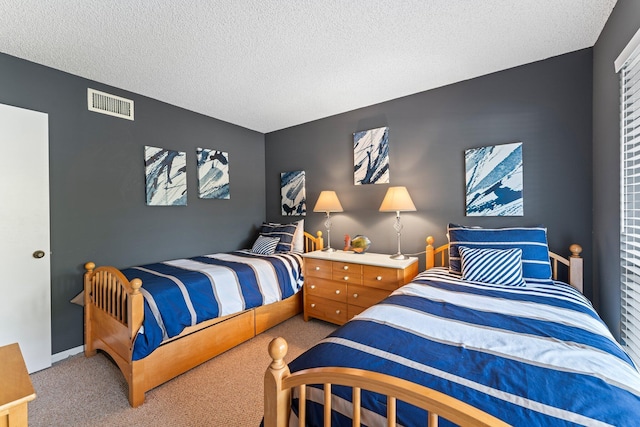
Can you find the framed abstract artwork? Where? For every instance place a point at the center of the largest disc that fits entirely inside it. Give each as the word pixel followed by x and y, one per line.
pixel 166 177
pixel 293 193
pixel 494 180
pixel 213 174
pixel 371 156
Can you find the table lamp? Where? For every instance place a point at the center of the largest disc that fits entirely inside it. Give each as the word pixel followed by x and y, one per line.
pixel 396 200
pixel 328 202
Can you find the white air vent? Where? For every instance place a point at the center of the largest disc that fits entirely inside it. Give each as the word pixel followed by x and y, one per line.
pixel 112 105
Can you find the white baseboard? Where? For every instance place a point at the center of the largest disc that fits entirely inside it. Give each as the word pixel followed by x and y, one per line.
pixel 67 353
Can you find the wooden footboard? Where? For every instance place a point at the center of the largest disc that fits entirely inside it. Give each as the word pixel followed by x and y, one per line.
pixel 439 257
pixel 279 382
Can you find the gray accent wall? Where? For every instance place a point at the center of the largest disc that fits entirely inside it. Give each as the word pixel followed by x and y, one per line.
pixel 620 28
pixel 97 182
pixel 545 105
pixel 98 210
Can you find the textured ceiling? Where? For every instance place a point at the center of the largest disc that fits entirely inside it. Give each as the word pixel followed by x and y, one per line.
pixel 271 64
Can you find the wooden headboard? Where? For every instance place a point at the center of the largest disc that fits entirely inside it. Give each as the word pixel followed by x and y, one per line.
pixel 439 257
pixel 312 243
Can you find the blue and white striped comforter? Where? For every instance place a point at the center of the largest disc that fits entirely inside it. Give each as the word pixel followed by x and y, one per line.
pixel 185 292
pixel 537 355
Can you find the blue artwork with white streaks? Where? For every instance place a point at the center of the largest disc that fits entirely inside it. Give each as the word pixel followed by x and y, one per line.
pixel 166 177
pixel 371 156
pixel 213 174
pixel 292 190
pixel 494 180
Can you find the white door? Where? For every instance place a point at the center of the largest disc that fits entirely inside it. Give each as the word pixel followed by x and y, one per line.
pixel 25 268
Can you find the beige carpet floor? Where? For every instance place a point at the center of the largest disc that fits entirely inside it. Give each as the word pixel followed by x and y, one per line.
pixel 225 391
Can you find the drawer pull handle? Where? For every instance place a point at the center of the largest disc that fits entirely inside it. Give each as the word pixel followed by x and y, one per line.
pixel 313 306
pixel 379 278
pixel 317 268
pixel 337 291
pixel 337 311
pixel 355 295
pixel 346 278
pixel 313 286
pixel 346 267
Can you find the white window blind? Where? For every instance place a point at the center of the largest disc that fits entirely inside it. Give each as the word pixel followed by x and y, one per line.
pixel 630 200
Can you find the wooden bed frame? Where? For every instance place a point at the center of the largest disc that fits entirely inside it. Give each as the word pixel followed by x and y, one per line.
pixel 114 310
pixel 279 382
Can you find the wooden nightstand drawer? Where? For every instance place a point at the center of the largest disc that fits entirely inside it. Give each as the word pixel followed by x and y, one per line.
pixel 382 277
pixel 317 268
pixel 363 296
pixel 347 277
pixel 346 267
pixel 326 289
pixel 388 278
pixel 328 310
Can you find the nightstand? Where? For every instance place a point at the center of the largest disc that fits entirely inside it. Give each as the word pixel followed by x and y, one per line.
pixel 338 285
pixel 16 389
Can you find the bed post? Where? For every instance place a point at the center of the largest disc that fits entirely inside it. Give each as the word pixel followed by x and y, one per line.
pixel 575 267
pixel 319 241
pixel 430 261
pixel 277 402
pixel 135 314
pixel 89 350
pixel 135 309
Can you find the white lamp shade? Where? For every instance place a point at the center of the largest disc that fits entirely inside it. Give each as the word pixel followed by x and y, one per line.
pixel 397 199
pixel 328 202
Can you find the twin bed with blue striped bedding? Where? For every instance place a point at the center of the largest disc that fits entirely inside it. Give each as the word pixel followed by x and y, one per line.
pixel 186 292
pixel 534 355
pixel 157 321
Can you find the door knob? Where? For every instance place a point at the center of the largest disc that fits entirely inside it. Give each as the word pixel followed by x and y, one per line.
pixel 38 254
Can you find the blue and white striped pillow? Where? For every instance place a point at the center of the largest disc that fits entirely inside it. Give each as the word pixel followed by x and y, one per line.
pixel 284 231
pixel 265 245
pixel 532 240
pixel 494 266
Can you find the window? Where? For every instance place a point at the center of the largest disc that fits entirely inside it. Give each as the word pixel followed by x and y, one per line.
pixel 628 64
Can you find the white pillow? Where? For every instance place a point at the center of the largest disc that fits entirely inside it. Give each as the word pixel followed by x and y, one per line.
pixel 298 238
pixel 265 245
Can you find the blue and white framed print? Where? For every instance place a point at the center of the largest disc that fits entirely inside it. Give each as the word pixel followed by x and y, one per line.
pixel 371 156
pixel 494 180
pixel 293 193
pixel 166 177
pixel 213 174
